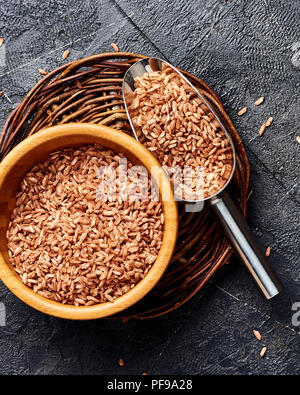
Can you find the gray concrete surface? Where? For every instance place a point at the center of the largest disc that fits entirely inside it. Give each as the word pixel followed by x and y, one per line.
pixel 243 49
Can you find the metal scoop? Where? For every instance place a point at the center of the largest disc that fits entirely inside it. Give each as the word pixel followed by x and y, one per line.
pixel 232 220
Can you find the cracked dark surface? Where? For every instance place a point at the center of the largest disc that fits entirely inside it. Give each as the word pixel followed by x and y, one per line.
pixel 243 49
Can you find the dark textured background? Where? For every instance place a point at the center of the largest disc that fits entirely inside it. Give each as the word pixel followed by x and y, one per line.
pixel 243 49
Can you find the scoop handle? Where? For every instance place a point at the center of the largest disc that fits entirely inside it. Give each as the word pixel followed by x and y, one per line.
pixel 245 244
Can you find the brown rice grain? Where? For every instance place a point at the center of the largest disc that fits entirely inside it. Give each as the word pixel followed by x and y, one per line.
pixel 115 47
pixel 65 54
pixel 262 129
pixel 269 121
pixel 257 334
pixel 263 351
pixel 42 71
pixel 242 111
pixel 259 101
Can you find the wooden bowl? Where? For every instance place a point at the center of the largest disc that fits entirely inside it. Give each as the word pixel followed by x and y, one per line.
pixel 35 149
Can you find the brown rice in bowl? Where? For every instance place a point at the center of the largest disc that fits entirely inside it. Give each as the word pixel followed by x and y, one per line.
pixel 72 246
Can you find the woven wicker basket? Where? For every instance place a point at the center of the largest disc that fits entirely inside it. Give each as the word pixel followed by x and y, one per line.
pixel 90 90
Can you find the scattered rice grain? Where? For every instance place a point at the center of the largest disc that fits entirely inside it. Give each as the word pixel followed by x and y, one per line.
pixel 257 334
pixel 259 101
pixel 115 47
pixel 242 111
pixel 43 72
pixel 263 351
pixel 65 54
pixel 262 129
pixel 269 121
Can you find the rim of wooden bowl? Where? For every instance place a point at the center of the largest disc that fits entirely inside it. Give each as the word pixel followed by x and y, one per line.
pixel 106 136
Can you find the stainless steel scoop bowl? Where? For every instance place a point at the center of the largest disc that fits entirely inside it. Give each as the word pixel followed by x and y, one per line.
pixel 232 220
